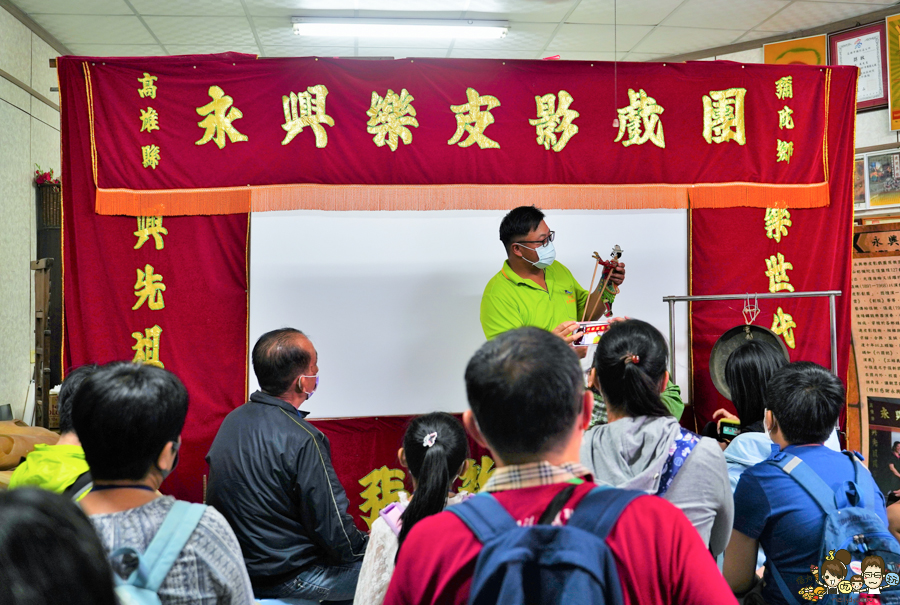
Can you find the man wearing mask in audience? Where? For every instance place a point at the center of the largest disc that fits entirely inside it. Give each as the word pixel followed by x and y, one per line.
pixel 271 476
pixel 533 289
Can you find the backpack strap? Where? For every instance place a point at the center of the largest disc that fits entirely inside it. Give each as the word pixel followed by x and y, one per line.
pixel 81 486
pixel 865 488
pixel 803 474
pixel 167 544
pixel 681 448
pixel 786 592
pixel 484 516
pixel 599 510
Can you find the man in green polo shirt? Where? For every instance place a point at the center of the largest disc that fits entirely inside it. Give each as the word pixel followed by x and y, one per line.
pixel 533 290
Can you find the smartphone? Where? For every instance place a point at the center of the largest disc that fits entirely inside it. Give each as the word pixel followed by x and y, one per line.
pixel 729 429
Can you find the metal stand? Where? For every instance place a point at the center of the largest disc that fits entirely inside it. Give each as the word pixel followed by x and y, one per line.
pixel 819 294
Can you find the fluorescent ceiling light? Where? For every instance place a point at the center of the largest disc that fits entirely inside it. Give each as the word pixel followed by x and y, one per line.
pixel 398 28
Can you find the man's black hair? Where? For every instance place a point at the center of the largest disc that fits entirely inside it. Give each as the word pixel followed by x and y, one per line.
pixel 519 222
pixel 68 388
pixel 278 360
pixel 124 415
pixel 806 400
pixel 525 389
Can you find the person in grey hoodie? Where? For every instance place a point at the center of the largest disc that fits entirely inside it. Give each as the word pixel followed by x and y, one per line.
pixel 643 447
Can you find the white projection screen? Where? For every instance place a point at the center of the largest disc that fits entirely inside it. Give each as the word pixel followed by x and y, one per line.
pixel 391 299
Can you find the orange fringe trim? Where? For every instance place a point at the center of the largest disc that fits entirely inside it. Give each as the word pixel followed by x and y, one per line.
pixel 231 200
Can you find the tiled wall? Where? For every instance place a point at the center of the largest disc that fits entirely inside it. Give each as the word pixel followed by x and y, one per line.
pixel 29 135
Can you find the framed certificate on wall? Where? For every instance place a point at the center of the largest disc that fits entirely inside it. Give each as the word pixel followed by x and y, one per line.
pixel 865 48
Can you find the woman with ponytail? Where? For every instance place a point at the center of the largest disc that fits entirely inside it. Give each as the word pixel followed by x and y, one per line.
pixel 643 447
pixel 434 451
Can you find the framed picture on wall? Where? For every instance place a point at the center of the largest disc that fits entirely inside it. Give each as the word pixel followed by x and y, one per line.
pixel 865 48
pixel 859 183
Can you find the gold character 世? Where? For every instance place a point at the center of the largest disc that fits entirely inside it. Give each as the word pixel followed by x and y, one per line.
pixel 149 287
pixel 777 222
pixel 147 227
pixel 642 113
pixel 783 325
pixel 150 156
pixel 147 89
pixel 723 116
pixel 552 121
pixel 474 120
pixel 383 486
pixel 389 118
pixel 776 271
pixel 218 123
pixel 146 347
pixel 303 110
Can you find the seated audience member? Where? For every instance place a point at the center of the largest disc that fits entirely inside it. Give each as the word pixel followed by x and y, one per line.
pixel 434 450
pixel 771 508
pixel 60 468
pixel 270 474
pixel 529 407
pixel 643 447
pixel 49 553
pixel 129 418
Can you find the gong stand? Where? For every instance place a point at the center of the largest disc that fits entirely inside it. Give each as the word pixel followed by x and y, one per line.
pixel 830 294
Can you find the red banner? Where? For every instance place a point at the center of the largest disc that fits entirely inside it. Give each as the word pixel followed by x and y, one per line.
pixel 169 291
pixel 297 133
pixel 364 454
pixel 778 250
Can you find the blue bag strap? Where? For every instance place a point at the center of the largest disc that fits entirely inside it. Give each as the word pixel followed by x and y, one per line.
pixel 683 446
pixel 864 487
pixel 599 510
pixel 484 516
pixel 803 474
pixel 782 585
pixel 169 541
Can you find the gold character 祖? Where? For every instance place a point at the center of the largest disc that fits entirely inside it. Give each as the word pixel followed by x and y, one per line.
pixel 147 227
pixel 552 121
pixel 303 110
pixel 389 117
pixel 218 123
pixel 642 113
pixel 147 89
pixel 149 287
pixel 723 116
pixel 382 487
pixel 146 347
pixel 474 120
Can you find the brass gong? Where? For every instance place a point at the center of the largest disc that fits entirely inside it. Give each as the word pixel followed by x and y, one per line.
pixel 731 340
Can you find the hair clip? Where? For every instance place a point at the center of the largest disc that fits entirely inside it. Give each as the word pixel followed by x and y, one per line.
pixel 429 440
pixel 629 357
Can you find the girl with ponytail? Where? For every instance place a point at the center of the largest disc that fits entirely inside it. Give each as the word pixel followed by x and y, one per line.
pixel 434 451
pixel 643 447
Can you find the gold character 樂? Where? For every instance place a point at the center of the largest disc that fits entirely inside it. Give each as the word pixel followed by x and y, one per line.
pixel 474 120
pixel 389 118
pixel 641 113
pixel 723 116
pixel 147 227
pixel 218 123
pixel 552 121
pixel 149 287
pixel 303 110
pixel 147 89
pixel 146 347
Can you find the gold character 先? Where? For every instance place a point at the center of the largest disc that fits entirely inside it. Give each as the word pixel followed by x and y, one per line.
pixel 149 287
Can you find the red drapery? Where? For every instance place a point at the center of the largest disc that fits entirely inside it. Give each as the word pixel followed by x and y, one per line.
pixel 201 331
pixel 729 252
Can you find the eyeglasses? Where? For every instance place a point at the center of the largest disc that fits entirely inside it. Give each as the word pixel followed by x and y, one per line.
pixel 871 574
pixel 542 242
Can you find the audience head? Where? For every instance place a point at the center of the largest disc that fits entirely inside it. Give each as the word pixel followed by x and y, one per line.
pixel 49 552
pixel 518 223
pixel 129 419
pixel 280 360
pixel 896 447
pixel 804 400
pixel 434 450
pixel 68 388
pixel 526 391
pixel 747 372
pixel 630 367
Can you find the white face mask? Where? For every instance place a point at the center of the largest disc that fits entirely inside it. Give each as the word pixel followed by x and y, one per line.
pixel 309 394
pixel 546 255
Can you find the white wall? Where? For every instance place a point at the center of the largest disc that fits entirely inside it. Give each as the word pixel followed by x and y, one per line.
pixel 391 299
pixel 29 134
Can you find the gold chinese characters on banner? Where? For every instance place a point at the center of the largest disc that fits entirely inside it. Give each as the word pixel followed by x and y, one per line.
pixel 149 288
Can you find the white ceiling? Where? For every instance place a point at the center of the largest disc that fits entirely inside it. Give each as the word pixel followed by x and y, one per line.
pixel 573 29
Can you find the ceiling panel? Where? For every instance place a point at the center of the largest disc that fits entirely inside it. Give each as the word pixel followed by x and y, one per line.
pixel 624 12
pixel 641 57
pixel 117 50
pixel 534 11
pixel 803 15
pixel 462 53
pixel 754 34
pixel 400 52
pixel 597 37
pixel 191 49
pixel 716 14
pixel 321 51
pixel 70 7
pixel 431 43
pixel 211 31
pixel 521 36
pixel 91 29
pixel 677 40
pixel 571 55
pixel 197 8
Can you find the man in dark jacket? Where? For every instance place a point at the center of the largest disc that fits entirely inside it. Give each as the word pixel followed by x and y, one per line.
pixel 272 478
